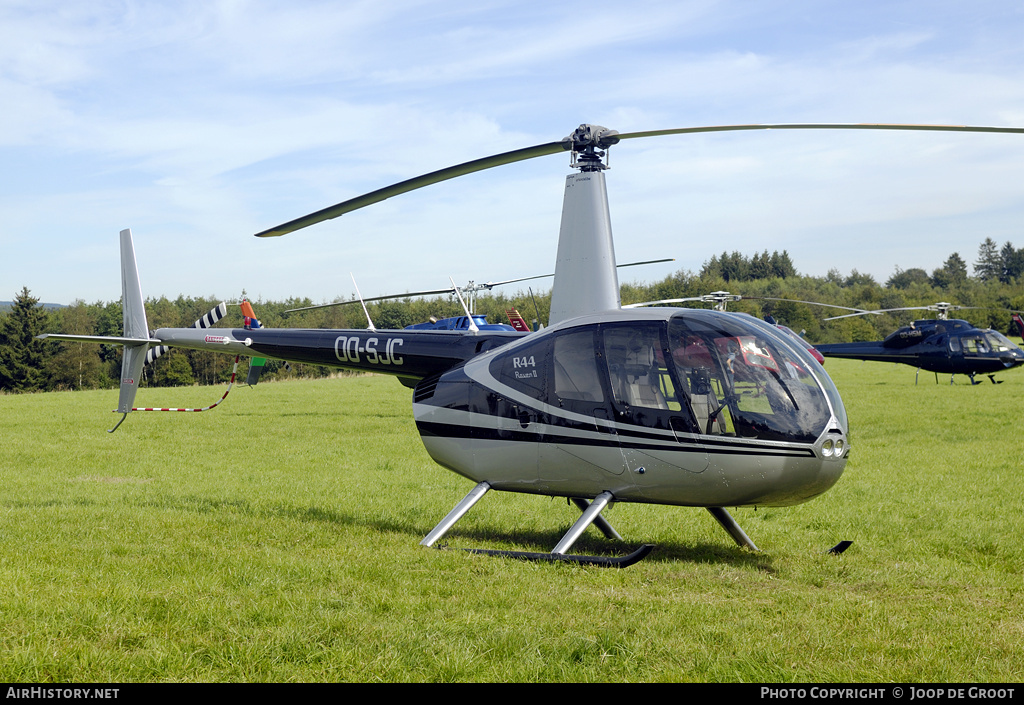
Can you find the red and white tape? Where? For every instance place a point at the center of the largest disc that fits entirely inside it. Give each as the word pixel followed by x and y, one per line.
pixel 231 382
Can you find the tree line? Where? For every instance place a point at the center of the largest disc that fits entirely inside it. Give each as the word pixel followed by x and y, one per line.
pixel 27 364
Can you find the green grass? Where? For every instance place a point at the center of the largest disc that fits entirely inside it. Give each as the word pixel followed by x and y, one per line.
pixel 276 539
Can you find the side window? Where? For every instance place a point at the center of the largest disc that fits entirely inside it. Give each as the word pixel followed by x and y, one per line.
pixel 954 344
pixel 575 375
pixel 637 369
pixel 697 354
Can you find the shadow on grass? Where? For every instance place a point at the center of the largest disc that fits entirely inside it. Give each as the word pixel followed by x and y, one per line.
pixel 592 545
pixel 482 536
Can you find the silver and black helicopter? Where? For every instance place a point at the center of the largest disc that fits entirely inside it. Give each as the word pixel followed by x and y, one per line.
pixel 941 345
pixel 685 407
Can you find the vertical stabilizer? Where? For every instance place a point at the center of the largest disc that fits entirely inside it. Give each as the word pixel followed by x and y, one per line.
pixel 135 325
pixel 131 372
pixel 131 291
pixel 585 277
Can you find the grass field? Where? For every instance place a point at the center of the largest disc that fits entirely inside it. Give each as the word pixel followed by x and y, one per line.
pixel 276 539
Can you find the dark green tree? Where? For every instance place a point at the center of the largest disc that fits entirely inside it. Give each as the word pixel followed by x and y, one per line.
pixel 782 265
pixel 1012 261
pixel 75 365
pixel 172 370
pixel 904 279
pixel 22 357
pixel 989 265
pixel 953 273
pixel 858 279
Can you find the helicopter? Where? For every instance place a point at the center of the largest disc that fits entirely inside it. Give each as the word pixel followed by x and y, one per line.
pixel 942 344
pixel 682 407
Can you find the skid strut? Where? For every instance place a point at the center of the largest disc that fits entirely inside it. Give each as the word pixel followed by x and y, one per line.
pixel 588 517
pixel 730 525
pixel 591 515
pixel 474 496
pixel 599 521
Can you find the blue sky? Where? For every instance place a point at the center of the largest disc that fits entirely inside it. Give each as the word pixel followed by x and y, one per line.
pixel 197 124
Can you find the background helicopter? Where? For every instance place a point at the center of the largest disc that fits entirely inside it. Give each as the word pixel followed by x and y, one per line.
pixel 669 406
pixel 1017 322
pixel 941 344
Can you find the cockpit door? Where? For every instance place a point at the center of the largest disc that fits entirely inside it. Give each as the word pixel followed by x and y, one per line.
pixel 656 423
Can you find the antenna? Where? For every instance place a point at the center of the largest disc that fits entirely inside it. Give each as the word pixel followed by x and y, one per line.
pixel 361 302
pixel 472 323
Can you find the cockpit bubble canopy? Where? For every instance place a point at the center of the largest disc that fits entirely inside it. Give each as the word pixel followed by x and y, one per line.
pixel 753 381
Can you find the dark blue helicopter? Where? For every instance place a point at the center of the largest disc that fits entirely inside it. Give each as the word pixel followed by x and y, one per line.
pixel 950 346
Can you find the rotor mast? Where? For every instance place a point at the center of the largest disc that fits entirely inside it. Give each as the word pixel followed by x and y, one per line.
pixel 586 280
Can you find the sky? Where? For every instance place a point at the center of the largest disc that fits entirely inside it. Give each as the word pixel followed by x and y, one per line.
pixel 198 124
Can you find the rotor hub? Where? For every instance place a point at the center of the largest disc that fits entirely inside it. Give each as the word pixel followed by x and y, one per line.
pixel 589 145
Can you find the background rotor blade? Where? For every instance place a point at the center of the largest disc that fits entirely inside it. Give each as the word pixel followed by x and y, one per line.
pixel 408 294
pixel 414 183
pixel 541 276
pixel 664 301
pixel 449 290
pixel 812 303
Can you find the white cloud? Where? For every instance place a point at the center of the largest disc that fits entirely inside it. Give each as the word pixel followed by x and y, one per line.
pixel 197 124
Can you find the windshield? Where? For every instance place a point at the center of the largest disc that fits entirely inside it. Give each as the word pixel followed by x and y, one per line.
pixel 742 378
pixel 999 342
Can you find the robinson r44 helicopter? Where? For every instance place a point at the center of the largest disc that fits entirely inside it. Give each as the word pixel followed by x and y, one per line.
pixel 942 344
pixel 685 407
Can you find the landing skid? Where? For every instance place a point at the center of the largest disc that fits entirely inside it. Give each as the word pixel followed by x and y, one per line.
pixel 591 515
pixel 992 378
pixel 600 561
pixel 952 377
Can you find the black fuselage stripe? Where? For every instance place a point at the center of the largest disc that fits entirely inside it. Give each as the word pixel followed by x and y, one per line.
pixel 459 431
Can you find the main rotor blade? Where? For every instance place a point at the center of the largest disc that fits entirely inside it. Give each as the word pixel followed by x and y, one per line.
pixel 569 144
pixel 412 184
pixel 822 126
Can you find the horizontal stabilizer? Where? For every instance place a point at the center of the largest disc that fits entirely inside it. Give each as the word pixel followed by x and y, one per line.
pixel 98 339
